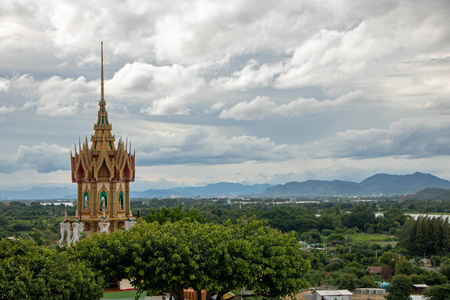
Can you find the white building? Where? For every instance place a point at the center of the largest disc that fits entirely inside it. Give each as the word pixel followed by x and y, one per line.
pixel 332 295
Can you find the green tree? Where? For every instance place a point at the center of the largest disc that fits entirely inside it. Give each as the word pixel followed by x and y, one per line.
pixel 435 278
pixel 445 270
pixel 108 253
pixel 291 217
pixel 347 281
pixel 437 292
pixel 163 215
pixel 416 278
pixel 408 268
pixel 395 215
pixel 368 282
pixel 426 236
pixel 277 264
pixel 360 215
pixel 359 272
pixel 28 271
pixel 315 278
pixel 387 259
pixel 436 260
pixel 318 258
pixel 400 288
pixel 218 258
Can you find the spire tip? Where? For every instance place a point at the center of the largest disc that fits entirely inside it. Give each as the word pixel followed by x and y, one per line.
pixel 102 88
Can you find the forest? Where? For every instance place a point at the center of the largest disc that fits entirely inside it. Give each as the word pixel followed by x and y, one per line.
pixel 340 240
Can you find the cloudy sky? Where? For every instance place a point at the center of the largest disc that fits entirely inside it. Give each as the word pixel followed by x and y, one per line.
pixel 248 91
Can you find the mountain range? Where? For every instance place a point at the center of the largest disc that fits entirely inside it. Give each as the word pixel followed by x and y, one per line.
pixel 379 184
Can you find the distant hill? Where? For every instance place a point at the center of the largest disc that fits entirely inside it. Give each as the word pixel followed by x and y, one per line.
pixel 431 194
pixel 375 185
pixel 313 188
pixel 378 184
pixel 40 193
pixel 402 184
pixel 216 189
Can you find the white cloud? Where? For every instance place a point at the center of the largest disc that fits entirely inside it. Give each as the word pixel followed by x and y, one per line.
pixel 212 31
pixel 4 84
pixel 170 89
pixel 257 109
pixel 170 105
pixel 139 77
pixel 44 158
pixel 262 107
pixel 199 146
pixel 214 108
pixel 7 109
pixel 248 78
pixel 332 57
pixel 358 57
pixel 61 97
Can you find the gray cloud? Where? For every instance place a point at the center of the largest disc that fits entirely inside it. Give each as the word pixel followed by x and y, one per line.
pixel 43 157
pixel 413 138
pixel 199 146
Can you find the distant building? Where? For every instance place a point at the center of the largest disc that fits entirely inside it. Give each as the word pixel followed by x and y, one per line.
pixel 370 291
pixel 418 288
pixel 373 270
pixel 331 295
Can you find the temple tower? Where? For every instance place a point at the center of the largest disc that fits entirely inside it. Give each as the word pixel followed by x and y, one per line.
pixel 103 173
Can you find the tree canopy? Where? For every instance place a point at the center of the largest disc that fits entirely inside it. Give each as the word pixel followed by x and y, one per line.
pixel 426 236
pixel 214 257
pixel 164 214
pixel 400 288
pixel 437 292
pixel 28 271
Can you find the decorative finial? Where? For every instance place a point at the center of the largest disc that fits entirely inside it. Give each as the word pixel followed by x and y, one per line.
pixel 102 90
pixel 77 217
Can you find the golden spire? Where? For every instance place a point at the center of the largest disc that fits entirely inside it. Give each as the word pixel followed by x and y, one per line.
pixel 102 128
pixel 102 89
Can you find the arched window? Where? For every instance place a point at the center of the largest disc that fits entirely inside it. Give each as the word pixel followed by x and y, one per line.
pixel 103 201
pixel 86 201
pixel 121 201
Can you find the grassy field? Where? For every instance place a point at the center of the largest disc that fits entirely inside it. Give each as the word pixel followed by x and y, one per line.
pixel 377 238
pixel 122 295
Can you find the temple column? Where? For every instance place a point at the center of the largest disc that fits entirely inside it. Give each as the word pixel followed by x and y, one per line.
pixel 94 198
pixel 112 194
pixel 127 197
pixel 79 198
pixel 114 226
